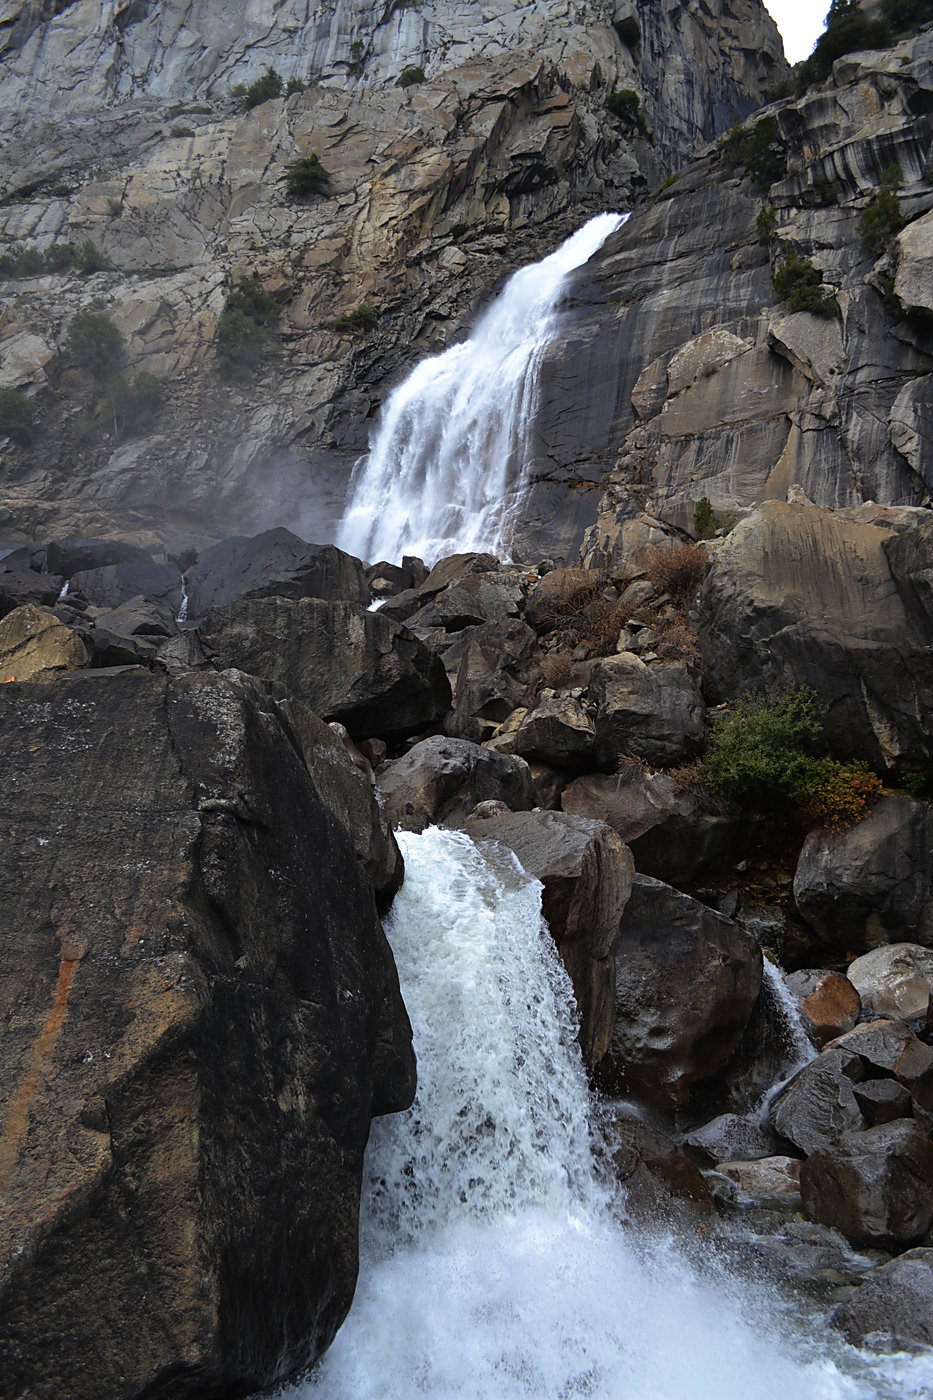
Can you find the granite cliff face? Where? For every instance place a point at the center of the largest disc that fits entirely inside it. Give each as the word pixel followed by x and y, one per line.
pixel 436 191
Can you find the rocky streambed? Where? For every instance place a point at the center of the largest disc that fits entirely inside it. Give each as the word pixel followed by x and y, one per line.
pixel 203 1011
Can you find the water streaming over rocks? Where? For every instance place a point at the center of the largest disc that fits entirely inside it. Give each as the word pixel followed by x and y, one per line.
pixel 444 471
pixel 496 1262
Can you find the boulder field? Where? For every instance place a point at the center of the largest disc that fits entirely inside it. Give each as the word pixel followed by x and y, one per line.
pixel 199 820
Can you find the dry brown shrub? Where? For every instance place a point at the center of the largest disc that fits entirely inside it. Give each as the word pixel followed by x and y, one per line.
pixel 557 671
pixel 677 568
pixel 565 605
pixel 599 626
pixel 677 640
pixel 633 760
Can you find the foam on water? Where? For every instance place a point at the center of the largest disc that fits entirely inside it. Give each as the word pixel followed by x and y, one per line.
pixel 496 1263
pixel 445 468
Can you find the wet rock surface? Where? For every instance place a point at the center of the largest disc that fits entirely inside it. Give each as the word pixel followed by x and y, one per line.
pixel 442 780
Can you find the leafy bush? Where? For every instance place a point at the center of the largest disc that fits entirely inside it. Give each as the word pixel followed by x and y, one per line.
pixel 94 343
pixel 838 794
pixel 131 404
pixel 180 130
pixel 626 104
pixel 89 258
pixel 360 322
pixel 917 785
pixel 882 217
pixel 294 85
pixel 17 417
pixel 759 150
pixel 245 334
pixel 305 176
pixel 759 747
pixel 29 261
pixel 707 522
pixel 262 90
pixel 677 569
pixel 60 256
pixel 798 282
pixel 848 29
pixel 409 77
pixel 766 223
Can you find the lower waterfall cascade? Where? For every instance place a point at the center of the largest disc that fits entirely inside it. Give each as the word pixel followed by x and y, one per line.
pixel 496 1262
pixel 444 471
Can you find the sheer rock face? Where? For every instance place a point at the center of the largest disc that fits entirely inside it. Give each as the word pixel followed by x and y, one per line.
pixel 124 133
pixel 203 1014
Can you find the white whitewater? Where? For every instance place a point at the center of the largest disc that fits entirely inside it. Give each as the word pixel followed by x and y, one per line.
pixel 797 1045
pixel 444 469
pixel 495 1261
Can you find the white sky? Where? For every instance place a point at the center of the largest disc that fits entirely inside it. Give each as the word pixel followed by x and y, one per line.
pixel 800 23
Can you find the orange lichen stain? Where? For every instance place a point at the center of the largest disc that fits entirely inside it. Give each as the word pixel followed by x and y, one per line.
pixel 17 1117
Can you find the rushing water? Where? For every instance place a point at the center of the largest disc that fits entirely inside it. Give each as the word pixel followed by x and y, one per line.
pixel 495 1260
pixel 445 466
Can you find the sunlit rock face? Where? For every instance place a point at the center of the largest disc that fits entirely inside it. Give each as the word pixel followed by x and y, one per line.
pixel 436 191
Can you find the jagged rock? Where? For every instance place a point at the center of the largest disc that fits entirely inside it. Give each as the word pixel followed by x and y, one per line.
pixel 896 980
pixel 915 266
pixel 587 876
pixel 795 596
pixel 654 712
pixel 556 730
pixel 888 1047
pixel 21 587
pixel 875 1186
pixel 347 664
pixel 34 645
pixel 638 1150
pixel 672 832
pixel 478 598
pixel 455 567
pixel 766 1178
pixel 496 673
pixel 275 563
pixel 78 556
pixel 441 780
pixel 882 1100
pixel 686 982
pixel 348 794
pixel 114 584
pixel 818 1106
pixel 829 1004
pixel 872 884
pixel 140 617
pixel 894 1306
pixel 730 1138
pixel 203 1015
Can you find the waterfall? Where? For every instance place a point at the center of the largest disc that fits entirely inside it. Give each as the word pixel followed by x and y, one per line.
pixel 444 470
pixel 496 1263
pixel 797 1045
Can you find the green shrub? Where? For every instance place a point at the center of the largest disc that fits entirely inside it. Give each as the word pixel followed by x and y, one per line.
pixel 705 523
pixel 17 417
pixel 766 224
pixel 759 748
pixel 294 85
pixel 918 785
pixel 28 261
pixel 31 263
pixel 60 256
pixel 360 322
pixel 882 217
pixel 245 334
pixel 848 29
pixel 409 77
pixel 799 283
pixel 262 90
pixel 177 130
pixel 89 258
pixel 626 104
pixel 760 150
pixel 306 176
pixel 94 343
pixel 131 404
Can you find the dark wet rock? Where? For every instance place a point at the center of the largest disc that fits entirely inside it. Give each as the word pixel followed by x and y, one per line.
pixel 765 1178
pixel 654 712
pixel 140 617
pixel 730 1138
pixel 114 584
pixel 882 1100
pixel 75 556
pixel 893 1308
pixel 895 980
pixel 275 563
pixel 674 833
pixel 203 1015
pixel 638 1150
pixel 819 1104
pixel 21 586
pixel 347 664
pixel 828 1002
pixel 875 1186
pixel 888 1047
pixel 557 730
pixel 453 568
pixel 478 598
pixel 872 884
pixel 442 779
pixel 587 876
pixel 497 671
pixel 687 980
pixel 34 645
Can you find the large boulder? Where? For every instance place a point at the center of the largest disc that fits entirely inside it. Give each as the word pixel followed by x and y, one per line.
pixel 19 586
pixel 828 1003
pixel 653 712
pixel 895 980
pixel 819 1104
pixel 496 671
pixel 275 563
pixel 687 980
pixel 75 556
pixel 557 730
pixel 441 780
pixel 114 584
pixel 873 884
pixel 587 877
pixel 34 645
pixel 893 1306
pixel 875 1186
pixel 674 832
pixel 345 663
pixel 797 596
pixel 202 1016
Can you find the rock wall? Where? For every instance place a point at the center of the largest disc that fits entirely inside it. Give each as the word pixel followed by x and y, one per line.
pixel 436 192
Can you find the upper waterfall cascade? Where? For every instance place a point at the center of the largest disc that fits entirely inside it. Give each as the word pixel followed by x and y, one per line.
pixel 495 1259
pixel 446 465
